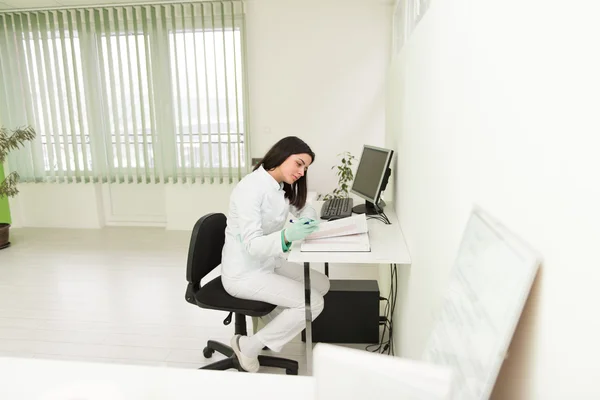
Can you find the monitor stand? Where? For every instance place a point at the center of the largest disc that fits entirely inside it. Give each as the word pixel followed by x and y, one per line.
pixel 368 208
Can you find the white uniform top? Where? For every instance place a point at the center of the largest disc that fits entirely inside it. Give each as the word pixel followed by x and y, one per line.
pixel 258 210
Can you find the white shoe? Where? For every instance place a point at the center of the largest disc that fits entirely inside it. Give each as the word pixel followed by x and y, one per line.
pixel 248 364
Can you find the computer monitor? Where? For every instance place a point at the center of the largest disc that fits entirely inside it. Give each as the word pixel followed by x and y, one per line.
pixel 371 179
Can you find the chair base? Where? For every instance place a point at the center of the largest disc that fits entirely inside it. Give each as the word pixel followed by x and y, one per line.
pixel 290 366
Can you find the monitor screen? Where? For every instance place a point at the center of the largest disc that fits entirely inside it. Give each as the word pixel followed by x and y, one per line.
pixel 371 171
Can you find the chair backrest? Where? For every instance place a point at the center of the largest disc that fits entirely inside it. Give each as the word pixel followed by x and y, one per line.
pixel 206 245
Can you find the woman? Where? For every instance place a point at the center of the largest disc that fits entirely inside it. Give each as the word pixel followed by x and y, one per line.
pixel 253 262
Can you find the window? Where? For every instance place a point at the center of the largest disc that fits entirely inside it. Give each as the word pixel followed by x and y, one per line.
pixel 53 65
pixel 124 76
pixel 206 76
pixel 135 93
pixel 407 15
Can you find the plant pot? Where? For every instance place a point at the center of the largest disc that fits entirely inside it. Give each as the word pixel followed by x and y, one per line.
pixel 4 228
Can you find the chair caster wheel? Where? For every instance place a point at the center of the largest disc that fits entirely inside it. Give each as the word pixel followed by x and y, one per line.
pixel 207 352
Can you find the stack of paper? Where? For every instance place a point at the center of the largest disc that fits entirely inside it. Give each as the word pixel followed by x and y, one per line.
pixel 346 234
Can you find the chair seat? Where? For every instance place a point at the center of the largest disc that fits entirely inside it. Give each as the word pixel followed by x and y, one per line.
pixel 214 296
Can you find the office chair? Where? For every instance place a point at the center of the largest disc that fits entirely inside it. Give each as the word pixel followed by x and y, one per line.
pixel 206 244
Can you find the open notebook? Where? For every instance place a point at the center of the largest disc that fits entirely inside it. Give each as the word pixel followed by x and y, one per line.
pixel 346 234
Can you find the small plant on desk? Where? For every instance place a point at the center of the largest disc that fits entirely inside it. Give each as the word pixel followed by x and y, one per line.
pixel 345 176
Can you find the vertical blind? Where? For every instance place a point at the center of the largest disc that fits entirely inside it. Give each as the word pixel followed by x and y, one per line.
pixel 148 93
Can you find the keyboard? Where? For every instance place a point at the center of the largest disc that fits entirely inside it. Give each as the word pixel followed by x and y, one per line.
pixel 337 208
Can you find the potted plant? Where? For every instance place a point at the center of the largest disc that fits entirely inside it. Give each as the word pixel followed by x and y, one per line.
pixel 345 176
pixel 11 140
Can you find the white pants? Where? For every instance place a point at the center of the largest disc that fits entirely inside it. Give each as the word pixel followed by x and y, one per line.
pixel 284 287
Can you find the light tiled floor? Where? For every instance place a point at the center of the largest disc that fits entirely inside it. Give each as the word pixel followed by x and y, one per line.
pixel 114 295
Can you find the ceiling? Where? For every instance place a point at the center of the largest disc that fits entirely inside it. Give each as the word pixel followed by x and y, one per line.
pixel 41 4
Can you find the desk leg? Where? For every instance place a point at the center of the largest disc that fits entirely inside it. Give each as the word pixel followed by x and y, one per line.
pixel 308 319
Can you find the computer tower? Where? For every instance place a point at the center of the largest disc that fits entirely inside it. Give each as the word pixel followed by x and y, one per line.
pixel 351 313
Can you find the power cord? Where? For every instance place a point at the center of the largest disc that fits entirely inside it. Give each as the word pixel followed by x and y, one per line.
pixel 380 216
pixel 387 347
pixel 377 348
pixel 394 293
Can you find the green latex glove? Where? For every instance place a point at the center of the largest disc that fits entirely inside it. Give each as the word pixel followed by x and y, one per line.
pixel 301 229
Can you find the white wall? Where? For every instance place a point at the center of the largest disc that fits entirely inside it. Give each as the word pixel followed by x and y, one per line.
pixel 495 103
pixel 92 206
pixel 316 69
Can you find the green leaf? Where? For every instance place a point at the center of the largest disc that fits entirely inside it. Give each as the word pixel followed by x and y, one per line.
pixel 344 174
pixel 8 187
pixel 16 139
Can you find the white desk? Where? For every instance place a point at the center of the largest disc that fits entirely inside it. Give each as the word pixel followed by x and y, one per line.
pixel 340 373
pixel 34 379
pixel 387 247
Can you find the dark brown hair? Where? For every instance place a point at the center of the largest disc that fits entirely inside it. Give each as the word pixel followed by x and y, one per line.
pixel 296 192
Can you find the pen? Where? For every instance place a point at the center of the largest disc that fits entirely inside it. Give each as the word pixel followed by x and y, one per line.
pixel 293 222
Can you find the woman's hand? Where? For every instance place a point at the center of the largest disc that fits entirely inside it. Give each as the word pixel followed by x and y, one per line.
pixel 300 229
